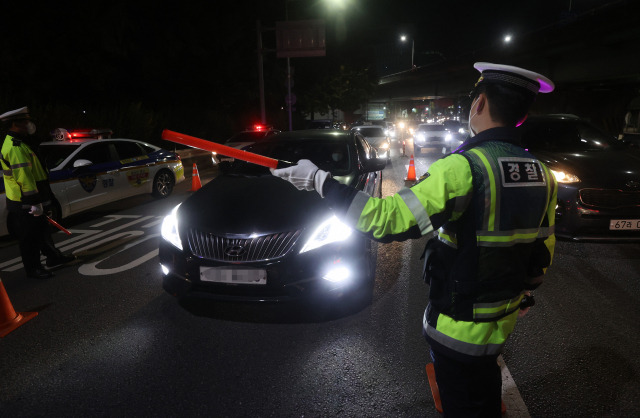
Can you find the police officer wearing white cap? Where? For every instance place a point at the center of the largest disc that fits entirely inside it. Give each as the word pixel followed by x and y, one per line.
pixel 492 204
pixel 27 188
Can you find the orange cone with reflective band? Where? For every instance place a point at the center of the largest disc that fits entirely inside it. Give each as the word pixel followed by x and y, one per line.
pixel 9 318
pixel 411 174
pixel 195 179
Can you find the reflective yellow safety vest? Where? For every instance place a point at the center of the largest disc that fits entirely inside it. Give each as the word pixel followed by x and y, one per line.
pixel 25 179
pixel 493 205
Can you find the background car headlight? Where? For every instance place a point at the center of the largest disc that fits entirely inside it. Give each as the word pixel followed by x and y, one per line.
pixel 565 177
pixel 448 137
pixel 384 145
pixel 420 137
pixel 169 228
pixel 331 230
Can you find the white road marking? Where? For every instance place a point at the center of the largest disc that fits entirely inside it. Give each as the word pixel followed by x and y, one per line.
pixel 91 269
pixel 511 395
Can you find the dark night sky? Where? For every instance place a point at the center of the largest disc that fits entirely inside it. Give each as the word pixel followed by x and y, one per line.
pixel 201 54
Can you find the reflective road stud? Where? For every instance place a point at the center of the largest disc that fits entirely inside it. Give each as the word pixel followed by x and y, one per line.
pixel 9 318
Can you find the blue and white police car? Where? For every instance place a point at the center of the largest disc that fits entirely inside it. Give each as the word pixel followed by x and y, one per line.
pixel 87 172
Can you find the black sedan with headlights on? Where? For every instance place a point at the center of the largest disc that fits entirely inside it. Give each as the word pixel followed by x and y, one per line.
pixel 598 177
pixel 249 236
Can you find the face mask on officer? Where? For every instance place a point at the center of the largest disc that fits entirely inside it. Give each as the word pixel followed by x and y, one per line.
pixel 28 126
pixel 31 128
pixel 472 133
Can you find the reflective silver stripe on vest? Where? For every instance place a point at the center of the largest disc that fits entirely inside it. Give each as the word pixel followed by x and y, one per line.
pixel 527 231
pixel 7 173
pixel 496 309
pixel 487 188
pixel 14 166
pixel 418 211
pixel 460 346
pixel 447 241
pixel 546 232
pixel 32 192
pixel 355 209
pixel 550 187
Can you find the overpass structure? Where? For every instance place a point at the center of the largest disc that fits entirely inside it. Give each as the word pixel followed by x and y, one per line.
pixel 593 58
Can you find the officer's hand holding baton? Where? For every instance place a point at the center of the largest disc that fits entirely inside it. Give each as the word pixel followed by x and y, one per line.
pixel 305 176
pixel 36 210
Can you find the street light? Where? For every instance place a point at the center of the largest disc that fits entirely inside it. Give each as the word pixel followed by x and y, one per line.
pixel 403 38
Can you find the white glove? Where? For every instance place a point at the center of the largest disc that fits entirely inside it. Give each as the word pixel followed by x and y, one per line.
pixel 305 176
pixel 36 210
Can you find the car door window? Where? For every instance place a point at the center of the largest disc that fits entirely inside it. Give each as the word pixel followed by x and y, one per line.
pixel 98 153
pixel 129 150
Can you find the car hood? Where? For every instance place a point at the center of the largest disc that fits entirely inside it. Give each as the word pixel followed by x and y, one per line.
pixel 610 168
pixel 238 207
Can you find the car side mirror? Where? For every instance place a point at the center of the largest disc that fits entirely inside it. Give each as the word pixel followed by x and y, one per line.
pixel 374 164
pixel 81 163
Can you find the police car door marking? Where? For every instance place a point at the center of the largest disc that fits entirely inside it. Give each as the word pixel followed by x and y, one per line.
pixel 521 172
pixel 88 182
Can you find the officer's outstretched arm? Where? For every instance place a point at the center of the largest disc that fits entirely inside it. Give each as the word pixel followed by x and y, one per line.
pixel 410 213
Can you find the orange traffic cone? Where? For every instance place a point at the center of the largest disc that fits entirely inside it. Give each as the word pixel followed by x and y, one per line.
pixel 195 179
pixel 411 174
pixel 9 318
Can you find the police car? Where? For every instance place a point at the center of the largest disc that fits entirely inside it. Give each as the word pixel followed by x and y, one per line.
pixel 243 139
pixel 86 172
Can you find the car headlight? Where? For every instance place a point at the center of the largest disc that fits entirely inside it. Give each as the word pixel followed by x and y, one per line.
pixel 420 137
pixel 565 177
pixel 169 228
pixel 331 230
pixel 384 145
pixel 448 137
pixel 461 130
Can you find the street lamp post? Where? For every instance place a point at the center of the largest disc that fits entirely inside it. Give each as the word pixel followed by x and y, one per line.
pixel 403 38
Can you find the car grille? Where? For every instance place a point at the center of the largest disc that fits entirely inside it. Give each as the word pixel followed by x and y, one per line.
pixel 609 198
pixel 217 248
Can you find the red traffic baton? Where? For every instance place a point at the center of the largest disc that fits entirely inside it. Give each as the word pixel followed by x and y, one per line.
pixel 57 225
pixel 250 157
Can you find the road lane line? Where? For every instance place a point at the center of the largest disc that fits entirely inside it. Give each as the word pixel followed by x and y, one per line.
pixel 511 395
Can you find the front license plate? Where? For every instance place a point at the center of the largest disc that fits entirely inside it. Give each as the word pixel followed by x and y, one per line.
pixel 233 276
pixel 624 224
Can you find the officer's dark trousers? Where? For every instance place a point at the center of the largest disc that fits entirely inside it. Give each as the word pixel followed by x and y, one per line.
pixel 468 389
pixel 32 233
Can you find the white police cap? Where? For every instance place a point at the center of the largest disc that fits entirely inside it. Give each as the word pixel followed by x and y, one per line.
pixel 508 74
pixel 22 113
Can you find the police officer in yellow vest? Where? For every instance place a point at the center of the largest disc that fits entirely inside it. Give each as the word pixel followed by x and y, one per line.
pixel 27 188
pixel 493 206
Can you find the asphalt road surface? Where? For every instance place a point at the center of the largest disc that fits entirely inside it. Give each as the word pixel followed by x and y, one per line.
pixel 108 341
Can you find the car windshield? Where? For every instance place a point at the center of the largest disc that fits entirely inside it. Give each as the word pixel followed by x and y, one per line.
pixel 566 136
pixel 247 136
pixel 332 156
pixel 430 128
pixel 371 131
pixel 54 155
